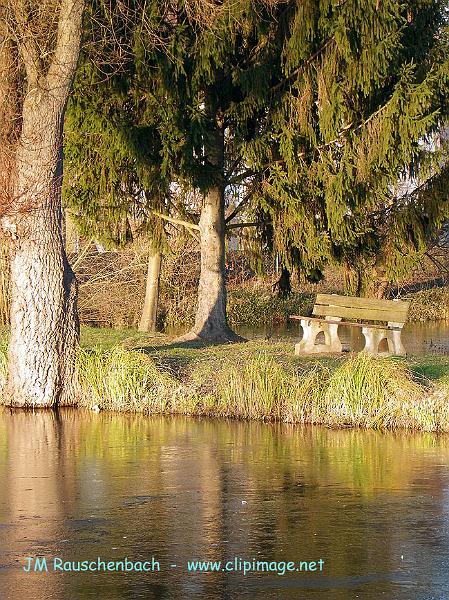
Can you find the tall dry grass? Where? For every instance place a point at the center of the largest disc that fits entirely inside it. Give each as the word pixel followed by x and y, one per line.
pixel 363 391
pixel 120 380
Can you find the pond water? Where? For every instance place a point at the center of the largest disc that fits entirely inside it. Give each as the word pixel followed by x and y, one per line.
pixel 418 338
pixel 374 507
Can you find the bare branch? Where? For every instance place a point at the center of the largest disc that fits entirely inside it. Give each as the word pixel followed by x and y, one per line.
pixel 241 225
pixel 176 221
pixel 241 177
pixel 26 42
pixel 235 211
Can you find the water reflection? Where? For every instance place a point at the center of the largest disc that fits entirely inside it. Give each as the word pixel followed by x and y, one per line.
pixel 418 338
pixel 374 506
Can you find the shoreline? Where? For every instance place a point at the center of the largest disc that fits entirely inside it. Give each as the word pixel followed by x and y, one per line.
pixel 262 381
pixel 265 381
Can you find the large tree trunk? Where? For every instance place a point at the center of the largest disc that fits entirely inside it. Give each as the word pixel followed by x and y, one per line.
pixel 44 323
pixel 149 311
pixel 210 322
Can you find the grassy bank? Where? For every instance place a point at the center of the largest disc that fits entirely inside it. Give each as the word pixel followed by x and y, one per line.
pixel 266 381
pixel 263 381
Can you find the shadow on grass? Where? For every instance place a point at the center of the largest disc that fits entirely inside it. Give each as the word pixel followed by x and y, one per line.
pixel 177 357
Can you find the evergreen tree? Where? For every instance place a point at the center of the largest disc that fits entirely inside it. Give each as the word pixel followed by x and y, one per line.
pixel 318 109
pixel 365 87
pixel 211 93
pixel 112 186
pixel 201 96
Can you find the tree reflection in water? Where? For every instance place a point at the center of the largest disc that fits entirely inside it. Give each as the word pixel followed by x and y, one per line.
pixel 79 485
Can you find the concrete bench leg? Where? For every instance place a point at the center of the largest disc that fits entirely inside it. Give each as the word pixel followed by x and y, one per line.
pixel 396 343
pixel 311 330
pixel 373 338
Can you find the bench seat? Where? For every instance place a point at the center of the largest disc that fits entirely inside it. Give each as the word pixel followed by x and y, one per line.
pixel 345 323
pixel 389 317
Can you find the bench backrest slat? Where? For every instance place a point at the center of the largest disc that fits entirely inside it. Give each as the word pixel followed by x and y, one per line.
pixel 331 305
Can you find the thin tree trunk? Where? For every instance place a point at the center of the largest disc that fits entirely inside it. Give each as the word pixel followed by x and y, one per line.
pixel 382 289
pixel 149 311
pixel 44 323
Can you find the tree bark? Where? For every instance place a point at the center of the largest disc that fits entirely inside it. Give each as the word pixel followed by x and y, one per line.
pixel 9 108
pixel 149 312
pixel 211 321
pixel 44 323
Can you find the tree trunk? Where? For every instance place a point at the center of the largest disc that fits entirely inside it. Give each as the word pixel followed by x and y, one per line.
pixel 382 289
pixel 9 111
pixel 211 322
pixel 149 311
pixel 44 323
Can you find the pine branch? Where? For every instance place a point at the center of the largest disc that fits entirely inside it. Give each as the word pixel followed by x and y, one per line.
pixel 241 225
pixel 436 262
pixel 305 62
pixel 241 177
pixel 359 126
pixel 232 168
pixel 251 173
pixel 235 211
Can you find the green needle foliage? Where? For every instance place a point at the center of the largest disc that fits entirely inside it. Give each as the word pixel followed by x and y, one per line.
pixel 325 109
pixel 112 151
pixel 152 118
pixel 365 85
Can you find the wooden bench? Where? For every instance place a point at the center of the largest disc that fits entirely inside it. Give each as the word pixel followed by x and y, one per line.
pixel 330 310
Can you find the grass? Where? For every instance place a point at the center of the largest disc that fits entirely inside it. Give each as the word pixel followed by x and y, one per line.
pixel 265 381
pixel 121 380
pixel 108 338
pixel 258 380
